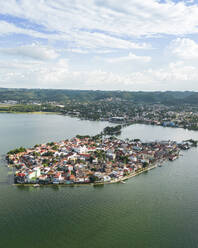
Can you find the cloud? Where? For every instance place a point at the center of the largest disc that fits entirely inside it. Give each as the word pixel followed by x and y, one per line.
pixel 86 30
pixel 175 72
pixel 130 57
pixel 88 51
pixel 98 23
pixel 33 73
pixel 58 74
pixel 33 51
pixel 7 28
pixel 108 15
pixel 184 48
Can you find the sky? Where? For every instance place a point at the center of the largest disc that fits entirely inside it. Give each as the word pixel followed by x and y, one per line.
pixel 149 45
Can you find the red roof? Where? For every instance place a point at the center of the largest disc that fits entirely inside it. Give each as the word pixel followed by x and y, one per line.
pixel 85 155
pixel 21 174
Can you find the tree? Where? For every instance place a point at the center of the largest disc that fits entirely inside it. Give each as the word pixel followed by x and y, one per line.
pixel 93 178
pixel 145 164
pixel 17 150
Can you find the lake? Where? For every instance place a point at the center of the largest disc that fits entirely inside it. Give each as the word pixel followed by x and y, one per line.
pixel 155 209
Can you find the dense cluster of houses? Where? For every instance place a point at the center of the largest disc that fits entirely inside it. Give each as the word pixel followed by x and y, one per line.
pixel 161 116
pixel 89 160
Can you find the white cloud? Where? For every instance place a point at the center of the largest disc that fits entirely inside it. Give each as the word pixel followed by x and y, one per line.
pixel 33 73
pixel 130 57
pixel 57 74
pixel 93 27
pixel 34 51
pixel 184 48
pixel 99 23
pixel 175 72
pixel 109 15
pixel 10 28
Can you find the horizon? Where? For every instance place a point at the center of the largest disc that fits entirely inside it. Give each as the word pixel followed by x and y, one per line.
pixel 147 91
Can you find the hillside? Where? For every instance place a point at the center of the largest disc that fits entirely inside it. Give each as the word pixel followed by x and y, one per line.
pixel 62 96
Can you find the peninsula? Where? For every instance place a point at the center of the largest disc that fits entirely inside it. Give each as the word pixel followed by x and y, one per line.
pixel 90 160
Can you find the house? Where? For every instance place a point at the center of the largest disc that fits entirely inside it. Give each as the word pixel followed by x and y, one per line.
pixel 43 179
pixel 31 175
pixel 37 171
pixel 106 178
pixel 95 161
pixel 72 156
pixel 133 158
pixel 80 149
pixel 80 180
pixel 110 154
pixel 58 178
pixel 84 156
pixel 70 167
pixel 87 180
pixel 72 178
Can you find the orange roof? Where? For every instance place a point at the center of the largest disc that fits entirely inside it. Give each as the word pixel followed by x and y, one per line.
pixel 72 177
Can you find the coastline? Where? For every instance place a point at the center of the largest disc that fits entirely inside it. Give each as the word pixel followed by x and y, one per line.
pixel 91 184
pixel 124 125
pixel 36 112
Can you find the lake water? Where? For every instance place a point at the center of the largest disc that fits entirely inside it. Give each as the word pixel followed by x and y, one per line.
pixel 156 209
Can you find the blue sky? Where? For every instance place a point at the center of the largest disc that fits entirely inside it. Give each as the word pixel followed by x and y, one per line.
pixel 99 44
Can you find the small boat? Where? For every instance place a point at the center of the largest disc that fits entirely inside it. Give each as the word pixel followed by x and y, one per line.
pixel 36 185
pixel 122 182
pixel 172 158
pixel 159 165
pixel 56 182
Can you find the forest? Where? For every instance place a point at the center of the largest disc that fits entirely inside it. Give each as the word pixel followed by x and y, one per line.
pixel 64 96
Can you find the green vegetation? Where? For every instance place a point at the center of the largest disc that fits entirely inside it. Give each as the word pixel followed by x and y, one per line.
pixel 82 136
pixel 29 108
pixel 17 150
pixel 93 178
pixel 100 155
pixel 36 154
pixel 55 148
pixel 46 154
pixel 62 96
pixel 50 144
pixel 193 142
pixel 112 130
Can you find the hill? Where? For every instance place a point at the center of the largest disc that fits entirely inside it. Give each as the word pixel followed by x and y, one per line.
pixel 63 96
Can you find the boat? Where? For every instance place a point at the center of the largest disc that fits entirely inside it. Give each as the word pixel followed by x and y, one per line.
pixel 122 182
pixel 172 158
pixel 56 182
pixel 159 165
pixel 36 185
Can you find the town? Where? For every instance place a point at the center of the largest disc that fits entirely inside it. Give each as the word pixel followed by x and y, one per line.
pixel 125 112
pixel 90 160
pixel 114 110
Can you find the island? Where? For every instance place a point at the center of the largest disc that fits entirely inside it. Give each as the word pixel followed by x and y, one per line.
pixel 90 160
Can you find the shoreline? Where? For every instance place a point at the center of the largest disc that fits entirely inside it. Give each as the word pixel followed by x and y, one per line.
pixel 78 162
pixel 124 125
pixel 36 112
pixel 90 184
